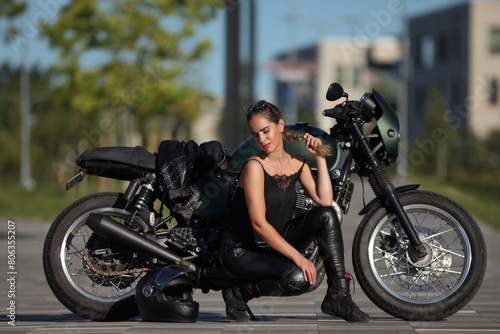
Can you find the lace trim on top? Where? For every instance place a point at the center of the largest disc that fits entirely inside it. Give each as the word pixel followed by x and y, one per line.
pixel 283 181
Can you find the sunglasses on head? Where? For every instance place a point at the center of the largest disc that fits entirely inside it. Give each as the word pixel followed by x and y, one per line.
pixel 259 105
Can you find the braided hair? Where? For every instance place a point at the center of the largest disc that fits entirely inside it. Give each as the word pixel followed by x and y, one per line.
pixel 322 150
pixel 273 114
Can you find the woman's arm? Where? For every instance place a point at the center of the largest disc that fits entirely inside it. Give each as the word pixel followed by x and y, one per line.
pixel 320 188
pixel 252 182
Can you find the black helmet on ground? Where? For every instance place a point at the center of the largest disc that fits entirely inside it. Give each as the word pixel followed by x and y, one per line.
pixel 167 295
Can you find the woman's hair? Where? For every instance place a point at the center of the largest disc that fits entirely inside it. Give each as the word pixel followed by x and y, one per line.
pixel 269 110
pixel 322 150
pixel 273 114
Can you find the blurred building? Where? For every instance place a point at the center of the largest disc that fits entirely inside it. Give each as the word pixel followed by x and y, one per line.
pixel 295 80
pixel 458 50
pixel 302 77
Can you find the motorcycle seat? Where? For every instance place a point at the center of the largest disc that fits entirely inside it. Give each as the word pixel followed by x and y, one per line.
pixel 130 156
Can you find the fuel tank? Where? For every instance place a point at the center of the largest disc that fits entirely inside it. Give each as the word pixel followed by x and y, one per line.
pixel 250 148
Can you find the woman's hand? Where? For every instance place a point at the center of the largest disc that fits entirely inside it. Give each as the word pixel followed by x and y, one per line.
pixel 311 143
pixel 319 188
pixel 308 269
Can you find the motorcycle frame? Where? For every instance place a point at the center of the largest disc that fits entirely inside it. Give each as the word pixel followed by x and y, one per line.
pixel 384 189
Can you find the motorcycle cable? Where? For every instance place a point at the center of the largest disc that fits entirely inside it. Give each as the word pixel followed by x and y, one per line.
pixel 363 190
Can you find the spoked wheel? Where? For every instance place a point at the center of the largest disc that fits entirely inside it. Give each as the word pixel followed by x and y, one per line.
pixel 92 276
pixel 430 289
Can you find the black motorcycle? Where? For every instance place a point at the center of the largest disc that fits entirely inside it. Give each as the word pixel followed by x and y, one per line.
pixel 417 255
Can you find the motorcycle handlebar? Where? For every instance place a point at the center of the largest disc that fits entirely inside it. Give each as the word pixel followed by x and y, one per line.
pixel 336 112
pixel 349 109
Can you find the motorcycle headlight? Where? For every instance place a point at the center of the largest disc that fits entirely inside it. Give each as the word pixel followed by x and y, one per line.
pixel 366 103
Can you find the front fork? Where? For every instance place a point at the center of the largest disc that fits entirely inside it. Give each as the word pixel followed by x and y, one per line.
pixel 383 187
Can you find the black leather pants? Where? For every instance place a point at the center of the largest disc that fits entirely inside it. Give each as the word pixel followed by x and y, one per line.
pixel 268 273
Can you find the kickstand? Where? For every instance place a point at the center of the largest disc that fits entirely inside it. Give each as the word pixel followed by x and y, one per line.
pixel 252 317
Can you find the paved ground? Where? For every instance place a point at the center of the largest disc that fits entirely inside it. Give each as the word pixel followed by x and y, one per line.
pixel 38 311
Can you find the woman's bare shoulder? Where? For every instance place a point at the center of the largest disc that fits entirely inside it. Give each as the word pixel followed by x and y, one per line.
pixel 253 165
pixel 251 172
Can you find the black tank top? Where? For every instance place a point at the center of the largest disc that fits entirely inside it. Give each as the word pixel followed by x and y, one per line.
pixel 280 197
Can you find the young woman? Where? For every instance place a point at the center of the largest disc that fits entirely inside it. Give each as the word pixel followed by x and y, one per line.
pixel 262 244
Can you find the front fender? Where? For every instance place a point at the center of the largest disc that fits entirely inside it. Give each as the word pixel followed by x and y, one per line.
pixel 377 200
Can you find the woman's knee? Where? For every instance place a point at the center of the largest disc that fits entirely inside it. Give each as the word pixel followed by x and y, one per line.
pixel 295 283
pixel 326 216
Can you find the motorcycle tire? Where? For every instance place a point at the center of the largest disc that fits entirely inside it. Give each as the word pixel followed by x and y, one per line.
pixel 434 288
pixel 71 272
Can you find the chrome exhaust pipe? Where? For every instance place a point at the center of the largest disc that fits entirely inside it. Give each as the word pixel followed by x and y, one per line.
pixel 106 227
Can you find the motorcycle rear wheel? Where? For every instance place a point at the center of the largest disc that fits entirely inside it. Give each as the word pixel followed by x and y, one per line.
pixel 81 287
pixel 430 290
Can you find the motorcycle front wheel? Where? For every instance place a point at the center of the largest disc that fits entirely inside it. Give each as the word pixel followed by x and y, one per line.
pixel 431 289
pixel 90 275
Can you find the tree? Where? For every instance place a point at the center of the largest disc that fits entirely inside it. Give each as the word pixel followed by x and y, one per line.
pixel 142 48
pixel 438 133
pixel 10 9
pixel 9 95
pixel 42 109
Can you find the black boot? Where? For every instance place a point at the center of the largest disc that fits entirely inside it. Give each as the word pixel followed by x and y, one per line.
pixel 236 303
pixel 338 301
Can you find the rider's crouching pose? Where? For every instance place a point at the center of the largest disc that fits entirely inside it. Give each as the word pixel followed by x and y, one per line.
pixel 262 244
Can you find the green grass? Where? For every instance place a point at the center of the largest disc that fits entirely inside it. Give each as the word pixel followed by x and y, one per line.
pixel 483 206
pixel 44 202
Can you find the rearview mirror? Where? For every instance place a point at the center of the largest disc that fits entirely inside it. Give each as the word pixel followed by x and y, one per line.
pixel 335 92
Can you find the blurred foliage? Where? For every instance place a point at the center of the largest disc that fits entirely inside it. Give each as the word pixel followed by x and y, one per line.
pixel 12 8
pixel 121 71
pixel 53 129
pixel 438 131
pixel 467 161
pixel 143 48
pixel 9 10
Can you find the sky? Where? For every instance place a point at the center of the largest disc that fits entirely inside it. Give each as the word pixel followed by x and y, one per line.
pixel 281 26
